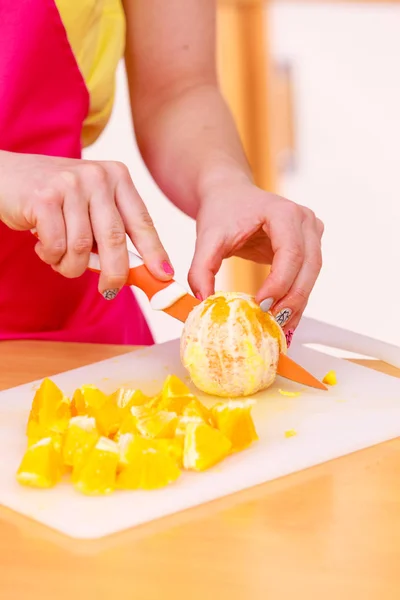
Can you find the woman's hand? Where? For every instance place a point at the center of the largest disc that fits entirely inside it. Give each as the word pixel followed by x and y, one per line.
pixel 73 203
pixel 239 219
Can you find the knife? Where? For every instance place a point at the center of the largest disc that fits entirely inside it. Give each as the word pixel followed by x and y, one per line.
pixel 173 299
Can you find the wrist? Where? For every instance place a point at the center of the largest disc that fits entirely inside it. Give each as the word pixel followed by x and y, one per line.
pixel 221 173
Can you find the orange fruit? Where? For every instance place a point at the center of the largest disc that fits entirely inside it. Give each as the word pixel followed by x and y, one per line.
pixel 183 423
pixel 126 398
pixel 196 409
pixel 175 395
pixel 51 411
pixel 204 447
pixel 86 399
pixel 108 417
pixel 97 474
pixel 41 465
pixel 148 468
pixel 161 424
pixel 234 420
pixel 80 437
pixel 330 378
pixel 129 444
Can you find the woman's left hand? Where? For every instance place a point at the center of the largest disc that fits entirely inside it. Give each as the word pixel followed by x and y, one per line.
pixel 243 220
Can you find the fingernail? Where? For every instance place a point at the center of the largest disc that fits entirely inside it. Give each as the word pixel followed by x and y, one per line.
pixel 167 268
pixel 266 304
pixel 198 296
pixel 110 294
pixel 289 336
pixel 283 316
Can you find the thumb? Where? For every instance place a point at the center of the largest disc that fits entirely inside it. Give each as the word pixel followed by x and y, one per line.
pixel 207 260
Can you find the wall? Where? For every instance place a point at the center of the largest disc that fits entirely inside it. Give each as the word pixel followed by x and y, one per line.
pixel 347 81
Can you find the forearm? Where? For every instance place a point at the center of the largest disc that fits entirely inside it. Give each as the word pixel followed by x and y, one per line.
pixel 190 143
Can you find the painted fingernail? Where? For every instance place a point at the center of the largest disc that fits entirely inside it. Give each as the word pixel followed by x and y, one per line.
pixel 198 296
pixel 283 316
pixel 167 268
pixel 266 304
pixel 289 336
pixel 110 294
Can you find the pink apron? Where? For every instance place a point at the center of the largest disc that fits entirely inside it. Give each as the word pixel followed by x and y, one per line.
pixel 43 103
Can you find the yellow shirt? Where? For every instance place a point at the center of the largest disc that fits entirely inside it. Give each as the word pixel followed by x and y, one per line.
pixel 96 33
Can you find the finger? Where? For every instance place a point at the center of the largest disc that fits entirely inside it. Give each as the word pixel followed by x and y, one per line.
pixel 139 225
pixel 79 233
pixel 48 220
pixel 108 231
pixel 289 309
pixel 287 244
pixel 207 260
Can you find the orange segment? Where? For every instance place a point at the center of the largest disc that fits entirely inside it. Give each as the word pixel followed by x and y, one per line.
pixel 97 475
pixel 175 395
pixel 196 409
pixel 86 399
pixel 183 423
pixel 51 411
pixel 204 447
pixel 125 398
pixel 160 425
pixel 234 420
pixel 129 444
pixel 330 378
pixel 41 465
pixel 148 468
pixel 108 417
pixel 80 438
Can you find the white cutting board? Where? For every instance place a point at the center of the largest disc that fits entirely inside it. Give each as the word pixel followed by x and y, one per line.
pixel 362 410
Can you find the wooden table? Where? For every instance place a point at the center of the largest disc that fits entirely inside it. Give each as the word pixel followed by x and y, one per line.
pixel 329 532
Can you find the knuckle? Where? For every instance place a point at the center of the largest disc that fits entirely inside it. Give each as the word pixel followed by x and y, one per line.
pixel 146 220
pixel 120 169
pixel 300 294
pixel 82 245
pixel 320 227
pixel 296 254
pixel 70 179
pixel 115 237
pixel 95 173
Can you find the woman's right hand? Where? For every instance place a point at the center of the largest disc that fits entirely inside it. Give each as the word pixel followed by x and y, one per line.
pixel 72 203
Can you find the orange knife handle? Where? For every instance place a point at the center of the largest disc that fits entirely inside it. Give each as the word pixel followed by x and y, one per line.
pixel 139 275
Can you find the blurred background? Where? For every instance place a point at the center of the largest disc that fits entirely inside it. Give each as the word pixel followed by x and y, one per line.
pixel 315 90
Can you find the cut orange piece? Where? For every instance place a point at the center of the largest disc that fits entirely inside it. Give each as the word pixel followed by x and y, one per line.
pixel 125 398
pixel 97 475
pixel 183 423
pixel 330 378
pixel 80 438
pixel 86 399
pixel 108 417
pixel 51 410
pixel 129 444
pixel 175 395
pixel 204 447
pixel 160 425
pixel 148 468
pixel 196 409
pixel 41 465
pixel 234 420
